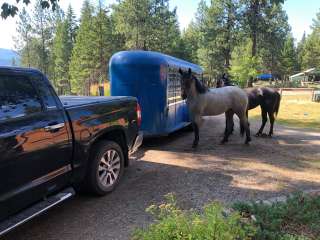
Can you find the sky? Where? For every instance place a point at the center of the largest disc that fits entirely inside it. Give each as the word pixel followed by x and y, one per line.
pixel 300 13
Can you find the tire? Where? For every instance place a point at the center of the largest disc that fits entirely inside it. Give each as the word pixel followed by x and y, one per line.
pixel 105 169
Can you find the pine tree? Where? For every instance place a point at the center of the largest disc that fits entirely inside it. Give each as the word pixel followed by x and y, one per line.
pixel 62 53
pixel 272 38
pixel 254 19
pixel 289 58
pixel 219 33
pixel 311 52
pixel 191 39
pixel 316 23
pixel 300 50
pixel 165 33
pixel 207 52
pixel 133 20
pixel 82 63
pixel 118 39
pixel 102 42
pixel 43 30
pixel 71 24
pixel 311 49
pixel 148 25
pixel 22 40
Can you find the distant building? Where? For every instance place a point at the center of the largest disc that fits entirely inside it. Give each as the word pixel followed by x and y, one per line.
pixel 310 75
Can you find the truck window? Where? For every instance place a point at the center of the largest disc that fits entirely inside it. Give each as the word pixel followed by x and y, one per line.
pixel 46 92
pixel 18 98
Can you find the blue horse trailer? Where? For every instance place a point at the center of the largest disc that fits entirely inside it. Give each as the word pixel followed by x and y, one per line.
pixel 154 79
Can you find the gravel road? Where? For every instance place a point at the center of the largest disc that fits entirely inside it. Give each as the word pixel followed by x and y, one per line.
pixel 267 168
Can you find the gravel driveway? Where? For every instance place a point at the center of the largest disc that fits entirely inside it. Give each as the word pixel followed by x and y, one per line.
pixel 266 168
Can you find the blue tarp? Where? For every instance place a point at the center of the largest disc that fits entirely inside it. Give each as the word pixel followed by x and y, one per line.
pixel 264 76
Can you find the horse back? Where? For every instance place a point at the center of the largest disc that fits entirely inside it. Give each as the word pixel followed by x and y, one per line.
pixel 231 96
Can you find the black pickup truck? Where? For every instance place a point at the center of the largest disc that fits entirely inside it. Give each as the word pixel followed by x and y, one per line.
pixel 50 146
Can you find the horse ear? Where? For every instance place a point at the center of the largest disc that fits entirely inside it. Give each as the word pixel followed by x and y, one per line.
pixel 180 71
pixel 189 71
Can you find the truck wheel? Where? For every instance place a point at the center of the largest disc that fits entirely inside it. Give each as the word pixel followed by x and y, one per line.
pixel 106 167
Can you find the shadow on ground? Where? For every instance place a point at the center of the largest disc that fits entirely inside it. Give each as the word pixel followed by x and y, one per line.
pixel 227 173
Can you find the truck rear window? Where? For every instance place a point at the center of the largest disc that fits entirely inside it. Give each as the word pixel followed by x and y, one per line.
pixel 18 98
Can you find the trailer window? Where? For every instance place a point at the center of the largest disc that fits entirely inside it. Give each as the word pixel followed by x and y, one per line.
pixel 174 86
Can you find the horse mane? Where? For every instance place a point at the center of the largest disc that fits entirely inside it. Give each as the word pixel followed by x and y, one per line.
pixel 200 87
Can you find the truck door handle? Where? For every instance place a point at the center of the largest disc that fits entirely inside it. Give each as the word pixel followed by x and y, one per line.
pixel 54 127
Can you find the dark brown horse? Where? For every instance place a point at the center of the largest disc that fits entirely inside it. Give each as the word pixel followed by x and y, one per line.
pixel 268 99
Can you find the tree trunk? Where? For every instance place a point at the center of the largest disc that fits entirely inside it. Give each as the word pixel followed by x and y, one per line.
pixel 250 82
pixel 254 44
pixel 229 27
pixel 254 11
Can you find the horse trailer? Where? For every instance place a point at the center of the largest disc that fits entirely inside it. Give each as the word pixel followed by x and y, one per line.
pixel 154 79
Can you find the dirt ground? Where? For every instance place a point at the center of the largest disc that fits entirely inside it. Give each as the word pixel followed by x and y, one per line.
pixel 266 168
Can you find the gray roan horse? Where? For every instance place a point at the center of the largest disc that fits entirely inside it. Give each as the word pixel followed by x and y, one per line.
pixel 204 102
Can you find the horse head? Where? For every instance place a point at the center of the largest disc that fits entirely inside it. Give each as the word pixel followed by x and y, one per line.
pixel 223 81
pixel 220 83
pixel 190 85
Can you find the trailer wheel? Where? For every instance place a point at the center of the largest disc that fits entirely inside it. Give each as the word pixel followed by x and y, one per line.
pixel 106 167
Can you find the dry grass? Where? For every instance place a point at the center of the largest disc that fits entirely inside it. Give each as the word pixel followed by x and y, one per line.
pixel 297 111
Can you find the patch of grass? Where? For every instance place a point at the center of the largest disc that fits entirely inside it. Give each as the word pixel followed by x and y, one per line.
pixel 295 110
pixel 298 218
pixel 107 90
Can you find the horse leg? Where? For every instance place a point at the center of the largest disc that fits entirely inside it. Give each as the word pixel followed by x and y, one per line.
pixel 196 134
pixel 245 125
pixel 264 121
pixel 229 126
pixel 225 130
pixel 247 128
pixel 242 129
pixel 271 119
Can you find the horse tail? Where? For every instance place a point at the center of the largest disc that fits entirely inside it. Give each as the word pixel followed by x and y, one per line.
pixel 277 104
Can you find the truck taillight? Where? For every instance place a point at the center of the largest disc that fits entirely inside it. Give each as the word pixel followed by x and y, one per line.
pixel 138 110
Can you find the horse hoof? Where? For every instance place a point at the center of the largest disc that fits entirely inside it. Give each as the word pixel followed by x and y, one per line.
pixel 194 145
pixel 223 141
pixel 258 134
pixel 248 140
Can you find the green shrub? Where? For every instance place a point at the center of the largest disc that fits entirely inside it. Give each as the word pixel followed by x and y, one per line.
pixel 296 219
pixel 174 223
